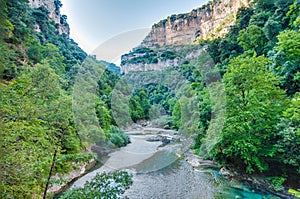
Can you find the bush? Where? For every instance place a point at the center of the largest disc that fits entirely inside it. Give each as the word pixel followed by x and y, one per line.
pixel 104 185
pixel 276 183
pixel 168 55
pixel 118 137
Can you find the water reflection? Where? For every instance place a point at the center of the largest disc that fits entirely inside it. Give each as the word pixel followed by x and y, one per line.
pixel 159 172
pixel 179 180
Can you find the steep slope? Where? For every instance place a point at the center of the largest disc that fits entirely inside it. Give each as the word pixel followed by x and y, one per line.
pixel 259 62
pixel 53 8
pixel 36 70
pixel 42 76
pixel 145 59
pixel 211 20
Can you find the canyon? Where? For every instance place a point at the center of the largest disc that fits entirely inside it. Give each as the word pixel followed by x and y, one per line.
pixel 210 21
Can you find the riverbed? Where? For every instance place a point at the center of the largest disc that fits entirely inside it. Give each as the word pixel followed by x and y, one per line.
pixel 161 171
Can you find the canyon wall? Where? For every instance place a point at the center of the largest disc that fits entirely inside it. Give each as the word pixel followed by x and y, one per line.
pixel 53 6
pixel 211 20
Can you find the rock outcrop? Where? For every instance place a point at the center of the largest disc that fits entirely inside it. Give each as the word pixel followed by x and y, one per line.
pixel 158 59
pixel 159 66
pixel 53 6
pixel 175 33
pixel 211 20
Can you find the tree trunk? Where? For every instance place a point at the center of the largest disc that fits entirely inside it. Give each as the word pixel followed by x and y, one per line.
pixel 50 174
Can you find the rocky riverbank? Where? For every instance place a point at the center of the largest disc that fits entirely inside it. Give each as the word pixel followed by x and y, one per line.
pixel 150 146
pixel 196 162
pixel 63 180
pixel 255 182
pixel 169 136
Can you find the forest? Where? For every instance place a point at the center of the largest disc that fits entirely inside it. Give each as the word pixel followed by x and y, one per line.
pixel 259 65
pixel 41 133
pixel 37 125
pixel 259 59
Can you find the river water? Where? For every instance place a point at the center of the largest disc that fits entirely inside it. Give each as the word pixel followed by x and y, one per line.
pixel 161 172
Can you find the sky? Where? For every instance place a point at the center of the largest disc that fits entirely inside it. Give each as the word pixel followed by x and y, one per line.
pixel 97 23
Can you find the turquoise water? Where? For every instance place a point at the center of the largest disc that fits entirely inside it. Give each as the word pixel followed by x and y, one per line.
pixel 160 173
pixel 157 178
pixel 237 190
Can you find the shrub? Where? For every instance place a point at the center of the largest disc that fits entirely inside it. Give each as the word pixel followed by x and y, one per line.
pixel 104 185
pixel 277 183
pixel 118 137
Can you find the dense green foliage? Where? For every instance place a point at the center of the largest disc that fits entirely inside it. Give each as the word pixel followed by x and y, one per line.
pixel 27 46
pixel 39 135
pixel 56 101
pixel 139 106
pixel 260 63
pixel 118 137
pixel 36 120
pixel 104 185
pixel 106 120
pixel 151 102
pixel 286 60
pixel 254 107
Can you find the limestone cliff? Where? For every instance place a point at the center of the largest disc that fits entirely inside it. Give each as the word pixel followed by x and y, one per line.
pixel 211 20
pixel 145 59
pixel 53 6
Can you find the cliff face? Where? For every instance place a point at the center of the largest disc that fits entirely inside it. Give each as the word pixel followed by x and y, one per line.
pixel 159 66
pixel 144 59
pixel 211 20
pixel 53 6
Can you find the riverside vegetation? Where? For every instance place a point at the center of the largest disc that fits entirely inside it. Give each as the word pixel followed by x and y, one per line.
pixel 38 136
pixel 259 63
pixel 259 60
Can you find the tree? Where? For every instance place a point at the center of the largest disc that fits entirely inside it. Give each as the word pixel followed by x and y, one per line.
pixel 271 29
pixel 289 43
pixel 264 4
pixel 253 40
pixel 243 17
pixel 288 136
pixel 37 127
pixel 56 60
pixel 26 139
pixel 177 115
pixel 293 14
pixel 286 58
pixel 104 116
pixel 58 5
pixel 139 106
pixel 204 115
pixel 260 18
pixel 105 185
pixel 254 106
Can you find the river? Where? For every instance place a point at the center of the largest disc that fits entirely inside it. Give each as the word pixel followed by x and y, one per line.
pixel 163 172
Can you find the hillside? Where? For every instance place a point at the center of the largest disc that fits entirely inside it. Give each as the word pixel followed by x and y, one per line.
pixel 225 78
pixel 42 139
pixel 241 109
pixel 209 21
pixel 53 8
